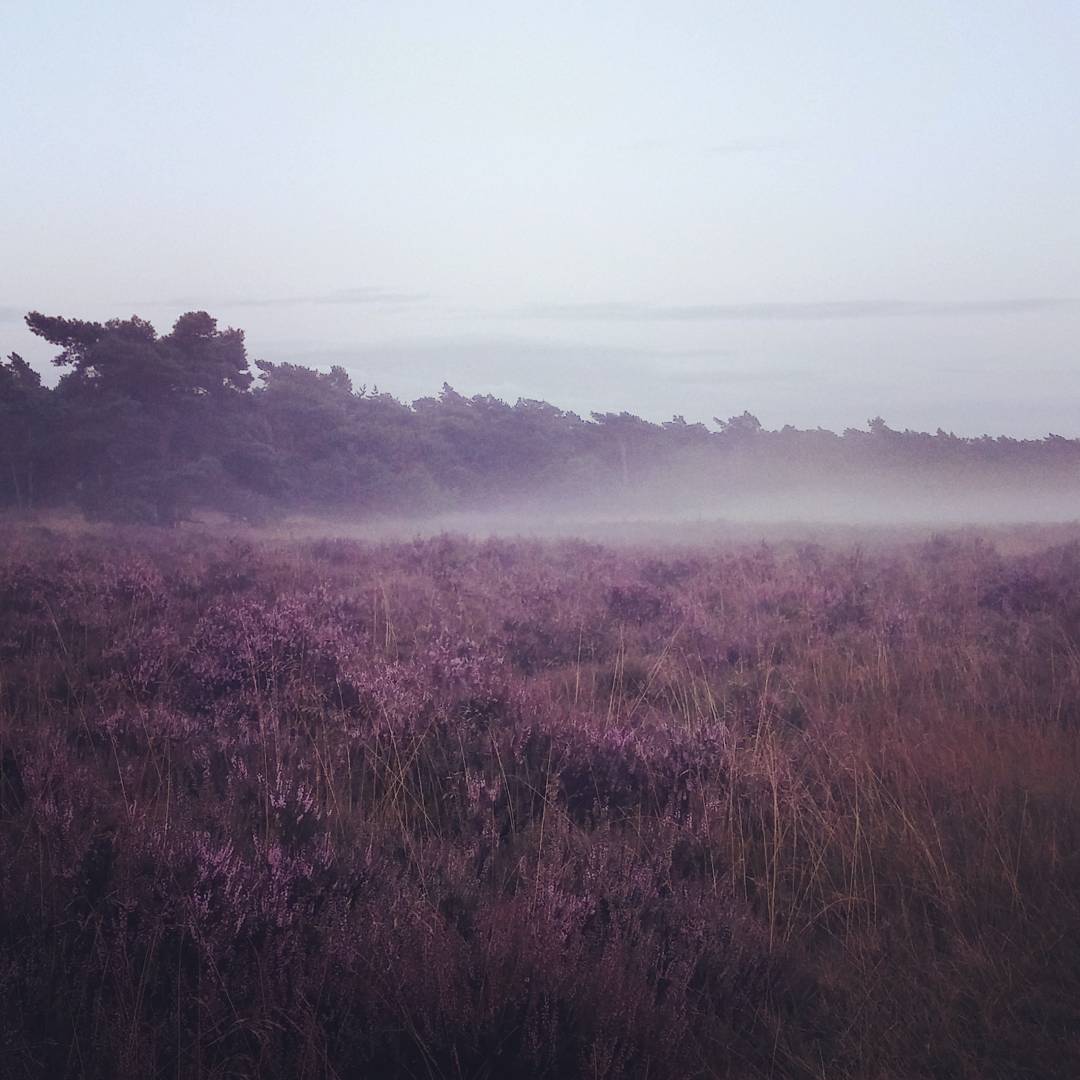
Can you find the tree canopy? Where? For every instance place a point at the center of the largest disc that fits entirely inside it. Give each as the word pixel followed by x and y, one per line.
pixel 154 428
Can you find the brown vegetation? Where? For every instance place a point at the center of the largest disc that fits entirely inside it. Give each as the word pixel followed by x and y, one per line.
pixel 453 808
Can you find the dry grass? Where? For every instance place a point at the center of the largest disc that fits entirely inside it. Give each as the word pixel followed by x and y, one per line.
pixel 460 808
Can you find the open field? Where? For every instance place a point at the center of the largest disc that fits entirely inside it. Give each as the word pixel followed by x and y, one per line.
pixel 469 808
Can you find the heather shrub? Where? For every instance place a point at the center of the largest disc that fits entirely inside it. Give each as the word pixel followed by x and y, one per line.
pixel 497 808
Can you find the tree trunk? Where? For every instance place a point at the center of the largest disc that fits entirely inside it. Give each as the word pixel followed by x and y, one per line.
pixel 15 484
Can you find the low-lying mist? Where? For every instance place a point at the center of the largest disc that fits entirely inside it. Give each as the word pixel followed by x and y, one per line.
pixel 677 510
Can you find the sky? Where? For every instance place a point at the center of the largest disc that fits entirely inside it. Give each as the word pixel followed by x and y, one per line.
pixel 818 212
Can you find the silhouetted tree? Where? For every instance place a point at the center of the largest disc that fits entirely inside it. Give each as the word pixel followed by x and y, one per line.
pixel 145 416
pixel 24 423
pixel 152 428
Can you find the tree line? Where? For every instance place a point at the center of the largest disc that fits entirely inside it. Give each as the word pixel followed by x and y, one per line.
pixel 154 428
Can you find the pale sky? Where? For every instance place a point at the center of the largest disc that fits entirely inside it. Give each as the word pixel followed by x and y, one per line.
pixel 815 211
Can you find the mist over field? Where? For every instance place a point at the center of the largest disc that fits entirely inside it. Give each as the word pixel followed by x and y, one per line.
pixel 540 542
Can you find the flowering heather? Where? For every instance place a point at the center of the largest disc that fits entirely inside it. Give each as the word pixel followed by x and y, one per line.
pixel 464 809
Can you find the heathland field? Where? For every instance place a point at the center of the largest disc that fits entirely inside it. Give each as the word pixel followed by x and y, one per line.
pixel 458 808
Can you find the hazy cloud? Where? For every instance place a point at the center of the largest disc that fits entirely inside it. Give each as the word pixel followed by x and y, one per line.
pixel 726 148
pixel 732 376
pixel 746 146
pixel 580 376
pixel 481 352
pixel 11 313
pixel 797 311
pixel 367 295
